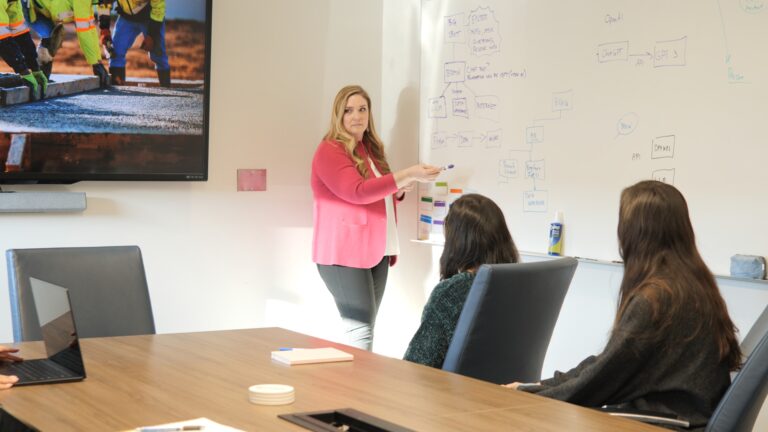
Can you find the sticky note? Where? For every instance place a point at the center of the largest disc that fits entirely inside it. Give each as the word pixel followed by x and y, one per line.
pixel 251 180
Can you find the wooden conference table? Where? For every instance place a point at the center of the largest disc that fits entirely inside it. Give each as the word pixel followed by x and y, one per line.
pixel 147 380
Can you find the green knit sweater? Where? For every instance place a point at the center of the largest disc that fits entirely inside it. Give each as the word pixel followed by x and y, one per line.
pixel 438 321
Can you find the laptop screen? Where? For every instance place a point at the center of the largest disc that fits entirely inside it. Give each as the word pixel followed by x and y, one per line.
pixel 57 323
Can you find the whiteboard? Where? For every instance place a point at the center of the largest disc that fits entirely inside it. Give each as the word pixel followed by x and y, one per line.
pixel 551 105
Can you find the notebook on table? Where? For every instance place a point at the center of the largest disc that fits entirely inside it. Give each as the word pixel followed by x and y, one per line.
pixel 64 361
pixel 311 355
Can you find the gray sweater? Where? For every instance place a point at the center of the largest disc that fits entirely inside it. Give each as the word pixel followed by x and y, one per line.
pixel 683 376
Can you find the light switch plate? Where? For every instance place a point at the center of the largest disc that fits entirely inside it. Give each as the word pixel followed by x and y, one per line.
pixel 249 180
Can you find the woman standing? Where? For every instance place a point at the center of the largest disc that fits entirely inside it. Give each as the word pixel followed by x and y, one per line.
pixel 355 195
pixel 673 344
pixel 475 234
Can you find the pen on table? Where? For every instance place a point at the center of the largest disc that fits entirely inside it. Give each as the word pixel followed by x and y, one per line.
pixel 446 167
pixel 171 428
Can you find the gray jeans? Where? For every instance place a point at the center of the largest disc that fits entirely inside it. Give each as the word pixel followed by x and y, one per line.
pixel 357 293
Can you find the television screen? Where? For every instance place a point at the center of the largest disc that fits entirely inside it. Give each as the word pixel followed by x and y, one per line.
pixel 104 90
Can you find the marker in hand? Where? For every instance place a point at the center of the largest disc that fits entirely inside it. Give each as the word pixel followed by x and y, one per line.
pixel 446 167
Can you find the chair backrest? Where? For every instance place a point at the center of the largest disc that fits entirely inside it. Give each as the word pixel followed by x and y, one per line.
pixel 755 334
pixel 107 286
pixel 739 407
pixel 507 321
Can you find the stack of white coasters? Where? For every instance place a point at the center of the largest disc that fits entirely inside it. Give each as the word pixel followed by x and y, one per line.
pixel 271 394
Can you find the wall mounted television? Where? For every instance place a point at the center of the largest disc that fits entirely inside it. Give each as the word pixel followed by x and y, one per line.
pixel 132 125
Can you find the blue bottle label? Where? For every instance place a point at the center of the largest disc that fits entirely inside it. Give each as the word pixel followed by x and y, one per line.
pixel 555 239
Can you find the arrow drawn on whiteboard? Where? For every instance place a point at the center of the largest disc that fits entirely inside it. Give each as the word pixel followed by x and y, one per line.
pixel 725 36
pixel 734 77
pixel 446 88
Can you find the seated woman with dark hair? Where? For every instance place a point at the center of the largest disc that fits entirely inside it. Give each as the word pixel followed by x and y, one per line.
pixel 475 234
pixel 673 344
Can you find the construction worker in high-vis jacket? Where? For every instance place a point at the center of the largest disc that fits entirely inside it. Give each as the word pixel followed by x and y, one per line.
pixel 135 17
pixel 18 49
pixel 81 13
pixel 50 35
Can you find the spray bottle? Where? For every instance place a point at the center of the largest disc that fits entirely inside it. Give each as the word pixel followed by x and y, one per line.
pixel 556 235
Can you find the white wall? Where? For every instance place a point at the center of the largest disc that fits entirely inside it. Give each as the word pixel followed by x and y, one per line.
pixel 218 259
pixel 412 278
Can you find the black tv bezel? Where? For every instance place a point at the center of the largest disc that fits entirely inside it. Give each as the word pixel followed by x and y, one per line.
pixel 24 178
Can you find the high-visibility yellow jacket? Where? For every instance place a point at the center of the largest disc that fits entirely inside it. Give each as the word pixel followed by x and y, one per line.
pixel 11 19
pixel 134 7
pixel 78 11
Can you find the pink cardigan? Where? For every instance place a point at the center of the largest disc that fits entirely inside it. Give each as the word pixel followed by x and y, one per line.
pixel 350 218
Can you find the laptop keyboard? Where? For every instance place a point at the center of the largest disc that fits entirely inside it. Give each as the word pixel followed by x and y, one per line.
pixel 70 359
pixel 33 370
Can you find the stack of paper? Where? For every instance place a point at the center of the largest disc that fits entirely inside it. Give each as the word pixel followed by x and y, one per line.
pixel 311 355
pixel 198 424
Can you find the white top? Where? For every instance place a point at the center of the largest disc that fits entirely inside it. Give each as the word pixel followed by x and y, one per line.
pixel 392 247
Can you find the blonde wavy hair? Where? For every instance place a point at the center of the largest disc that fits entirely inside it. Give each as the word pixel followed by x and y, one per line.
pixel 371 139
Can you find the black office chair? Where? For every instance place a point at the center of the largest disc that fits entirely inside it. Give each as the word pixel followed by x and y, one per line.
pixel 739 407
pixel 507 321
pixel 107 287
pixel 755 334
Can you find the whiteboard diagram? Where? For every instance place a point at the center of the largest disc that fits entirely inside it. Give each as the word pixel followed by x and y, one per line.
pixel 477 55
pixel 551 106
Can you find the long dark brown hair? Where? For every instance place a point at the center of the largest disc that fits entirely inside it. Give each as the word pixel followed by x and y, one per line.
pixel 662 263
pixel 475 234
pixel 373 144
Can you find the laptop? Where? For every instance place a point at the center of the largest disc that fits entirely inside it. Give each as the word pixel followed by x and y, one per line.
pixel 64 362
